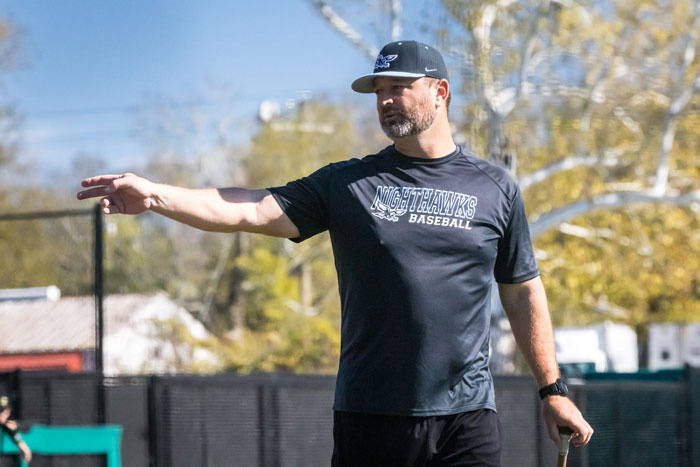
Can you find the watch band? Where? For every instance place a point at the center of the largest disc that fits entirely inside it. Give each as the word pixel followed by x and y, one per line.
pixel 557 388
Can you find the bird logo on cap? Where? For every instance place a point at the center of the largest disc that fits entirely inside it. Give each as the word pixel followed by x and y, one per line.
pixel 383 62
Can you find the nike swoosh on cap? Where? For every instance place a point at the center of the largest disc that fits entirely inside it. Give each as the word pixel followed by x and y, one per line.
pixel 429 70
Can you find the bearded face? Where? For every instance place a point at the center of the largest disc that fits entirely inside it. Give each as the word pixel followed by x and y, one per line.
pixel 398 123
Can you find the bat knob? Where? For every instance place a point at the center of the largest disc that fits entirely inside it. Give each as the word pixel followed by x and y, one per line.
pixel 565 434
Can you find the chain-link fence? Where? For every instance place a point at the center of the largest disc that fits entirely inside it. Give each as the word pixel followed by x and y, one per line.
pixel 49 248
pixel 63 251
pixel 276 420
pixel 55 248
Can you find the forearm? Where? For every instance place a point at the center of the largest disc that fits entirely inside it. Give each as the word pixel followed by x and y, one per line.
pixel 223 210
pixel 526 307
pixel 211 209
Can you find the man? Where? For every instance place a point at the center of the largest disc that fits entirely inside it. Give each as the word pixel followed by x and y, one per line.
pixel 9 427
pixel 418 230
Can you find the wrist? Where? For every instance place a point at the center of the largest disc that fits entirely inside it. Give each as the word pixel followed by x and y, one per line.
pixel 157 196
pixel 557 388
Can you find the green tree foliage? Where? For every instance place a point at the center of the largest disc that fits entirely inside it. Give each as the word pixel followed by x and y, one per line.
pixel 138 258
pixel 282 297
pixel 47 252
pixel 271 304
pixel 278 333
pixel 593 106
pixel 610 88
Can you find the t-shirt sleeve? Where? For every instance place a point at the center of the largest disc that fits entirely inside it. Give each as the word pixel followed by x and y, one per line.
pixel 305 202
pixel 515 260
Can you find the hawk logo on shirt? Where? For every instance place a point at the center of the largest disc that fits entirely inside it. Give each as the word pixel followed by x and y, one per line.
pixel 383 62
pixel 386 212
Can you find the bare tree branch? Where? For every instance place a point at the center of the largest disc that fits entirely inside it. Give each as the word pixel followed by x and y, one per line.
pixel 498 102
pixel 559 166
pixel 340 25
pixel 527 51
pixel 677 106
pixel 395 20
pixel 609 158
pixel 608 201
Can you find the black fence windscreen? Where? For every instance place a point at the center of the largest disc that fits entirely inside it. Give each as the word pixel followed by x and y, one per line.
pixel 276 420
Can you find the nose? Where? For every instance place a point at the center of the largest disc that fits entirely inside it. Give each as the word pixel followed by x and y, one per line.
pixel 384 99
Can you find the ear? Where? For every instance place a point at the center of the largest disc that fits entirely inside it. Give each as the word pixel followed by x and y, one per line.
pixel 443 92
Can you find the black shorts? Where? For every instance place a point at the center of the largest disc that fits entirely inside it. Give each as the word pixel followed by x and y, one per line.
pixel 465 439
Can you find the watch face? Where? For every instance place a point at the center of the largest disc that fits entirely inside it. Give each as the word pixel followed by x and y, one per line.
pixel 561 387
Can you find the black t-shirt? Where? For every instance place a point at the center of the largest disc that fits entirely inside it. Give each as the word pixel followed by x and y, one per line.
pixel 417 243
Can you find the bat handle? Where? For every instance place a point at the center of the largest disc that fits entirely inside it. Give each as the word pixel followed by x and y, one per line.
pixel 565 435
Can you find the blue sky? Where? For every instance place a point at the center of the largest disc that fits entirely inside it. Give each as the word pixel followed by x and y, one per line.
pixel 88 64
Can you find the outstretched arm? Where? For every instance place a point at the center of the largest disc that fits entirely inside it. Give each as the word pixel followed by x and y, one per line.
pixel 526 307
pixel 24 451
pixel 211 209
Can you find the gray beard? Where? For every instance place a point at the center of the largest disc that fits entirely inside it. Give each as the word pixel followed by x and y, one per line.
pixel 412 125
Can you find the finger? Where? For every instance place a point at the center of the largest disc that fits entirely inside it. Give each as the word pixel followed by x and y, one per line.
pixel 109 207
pixel 117 184
pixel 101 180
pixel 92 193
pixel 588 434
pixel 553 431
pixel 583 436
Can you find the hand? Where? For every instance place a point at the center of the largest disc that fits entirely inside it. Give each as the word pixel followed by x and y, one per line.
pixel 123 194
pixel 11 424
pixel 561 411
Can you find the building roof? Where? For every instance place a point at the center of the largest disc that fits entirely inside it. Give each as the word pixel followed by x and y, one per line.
pixel 47 326
pixel 134 337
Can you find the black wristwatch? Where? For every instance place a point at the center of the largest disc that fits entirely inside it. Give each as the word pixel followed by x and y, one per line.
pixel 557 388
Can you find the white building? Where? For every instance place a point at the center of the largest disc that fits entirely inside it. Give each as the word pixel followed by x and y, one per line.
pixel 604 346
pixel 673 345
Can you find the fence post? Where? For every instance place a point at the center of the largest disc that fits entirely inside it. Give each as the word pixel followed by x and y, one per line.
pixel 153 421
pixel 99 309
pixel 693 382
pixel 15 390
pixel 268 423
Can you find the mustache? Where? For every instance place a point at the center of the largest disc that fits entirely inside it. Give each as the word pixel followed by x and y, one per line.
pixel 388 110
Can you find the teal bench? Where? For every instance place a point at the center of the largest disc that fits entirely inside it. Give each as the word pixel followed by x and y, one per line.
pixel 52 440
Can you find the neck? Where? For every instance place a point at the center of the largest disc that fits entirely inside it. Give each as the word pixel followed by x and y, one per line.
pixel 434 142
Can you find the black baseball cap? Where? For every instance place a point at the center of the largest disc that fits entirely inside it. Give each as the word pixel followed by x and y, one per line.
pixel 404 59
